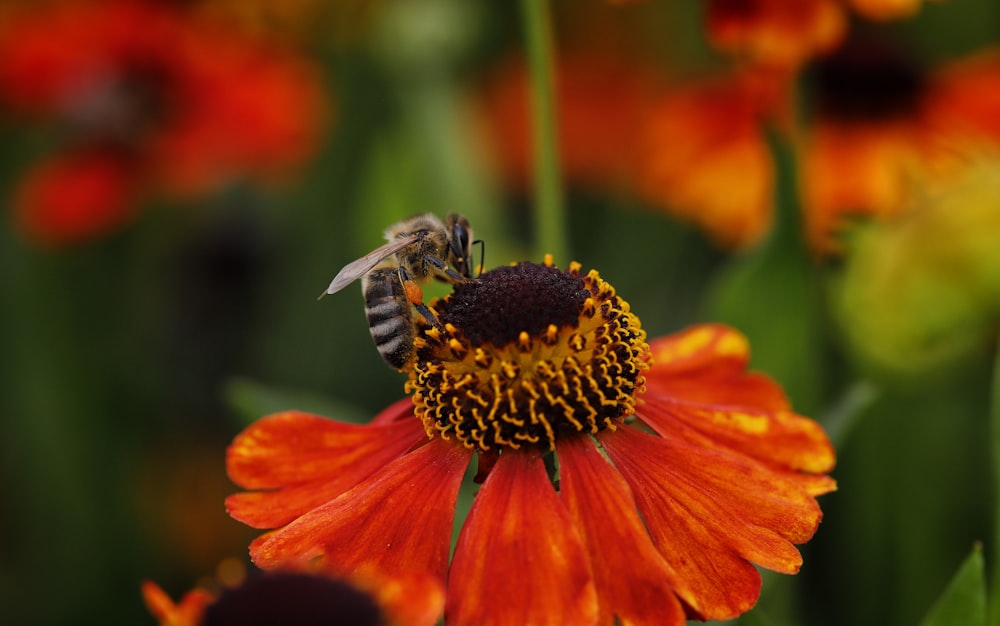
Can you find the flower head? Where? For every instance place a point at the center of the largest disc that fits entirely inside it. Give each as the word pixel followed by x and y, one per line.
pixel 674 469
pixel 785 35
pixel 774 32
pixel 717 124
pixel 290 598
pixel 567 360
pixel 881 123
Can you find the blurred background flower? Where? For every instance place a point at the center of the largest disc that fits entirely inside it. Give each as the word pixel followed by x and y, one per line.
pixel 922 289
pixel 144 97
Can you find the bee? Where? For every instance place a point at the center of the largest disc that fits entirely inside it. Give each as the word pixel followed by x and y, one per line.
pixel 419 249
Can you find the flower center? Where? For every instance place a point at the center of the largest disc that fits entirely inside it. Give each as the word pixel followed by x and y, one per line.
pixel 866 81
pixel 529 353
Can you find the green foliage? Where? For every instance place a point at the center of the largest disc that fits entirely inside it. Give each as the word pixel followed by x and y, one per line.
pixel 964 600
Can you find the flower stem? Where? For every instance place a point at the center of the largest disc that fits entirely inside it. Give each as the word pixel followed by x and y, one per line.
pixel 550 212
pixel 993 597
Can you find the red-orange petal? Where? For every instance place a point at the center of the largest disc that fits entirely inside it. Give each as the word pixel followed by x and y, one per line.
pixel 631 578
pixel 710 512
pixel 187 612
pixel 304 460
pixel 410 599
pixel 779 438
pixel 707 363
pixel 519 558
pixel 396 522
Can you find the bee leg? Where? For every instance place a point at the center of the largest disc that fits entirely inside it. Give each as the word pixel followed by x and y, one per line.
pixel 416 297
pixel 442 267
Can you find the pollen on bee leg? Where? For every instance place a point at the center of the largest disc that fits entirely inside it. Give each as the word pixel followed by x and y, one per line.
pixel 413 292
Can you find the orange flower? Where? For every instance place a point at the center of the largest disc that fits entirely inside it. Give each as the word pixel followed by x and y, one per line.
pixel 276 598
pixel 704 157
pixel 776 32
pixel 677 469
pixel 786 34
pixel 180 104
pixel 882 123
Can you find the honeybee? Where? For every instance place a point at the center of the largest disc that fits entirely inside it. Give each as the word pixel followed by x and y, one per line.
pixel 419 248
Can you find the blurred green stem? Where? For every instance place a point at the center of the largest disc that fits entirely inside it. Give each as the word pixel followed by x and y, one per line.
pixel 993 598
pixel 550 210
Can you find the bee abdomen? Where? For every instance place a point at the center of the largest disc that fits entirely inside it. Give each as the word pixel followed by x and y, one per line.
pixel 390 318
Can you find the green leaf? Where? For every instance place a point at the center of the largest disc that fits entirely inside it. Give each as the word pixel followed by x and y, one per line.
pixel 964 599
pixel 251 400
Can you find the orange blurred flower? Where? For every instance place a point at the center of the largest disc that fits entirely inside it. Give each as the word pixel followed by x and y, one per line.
pixel 146 98
pixel 787 34
pixel 707 469
pixel 881 123
pixel 705 159
pixel 776 32
pixel 189 611
pixel 278 598
pixel 876 123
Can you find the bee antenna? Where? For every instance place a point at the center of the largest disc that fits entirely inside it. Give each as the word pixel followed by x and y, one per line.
pixel 482 255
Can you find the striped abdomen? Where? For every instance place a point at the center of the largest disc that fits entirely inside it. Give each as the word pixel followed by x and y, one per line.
pixel 390 317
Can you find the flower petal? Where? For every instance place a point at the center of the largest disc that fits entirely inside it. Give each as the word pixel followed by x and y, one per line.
pixel 397 521
pixel 707 363
pixel 411 599
pixel 698 389
pixel 188 612
pixel 631 578
pixel 709 513
pixel 307 460
pixel 778 438
pixel 519 559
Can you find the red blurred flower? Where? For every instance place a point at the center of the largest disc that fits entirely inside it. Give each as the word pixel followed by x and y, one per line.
pixel 707 469
pixel 175 104
pixel 74 196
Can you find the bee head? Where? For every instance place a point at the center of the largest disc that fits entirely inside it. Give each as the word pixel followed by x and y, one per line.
pixel 459 243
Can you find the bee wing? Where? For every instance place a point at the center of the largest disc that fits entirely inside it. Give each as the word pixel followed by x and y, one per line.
pixel 359 267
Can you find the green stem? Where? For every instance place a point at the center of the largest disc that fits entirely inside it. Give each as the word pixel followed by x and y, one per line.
pixel 550 211
pixel 993 599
